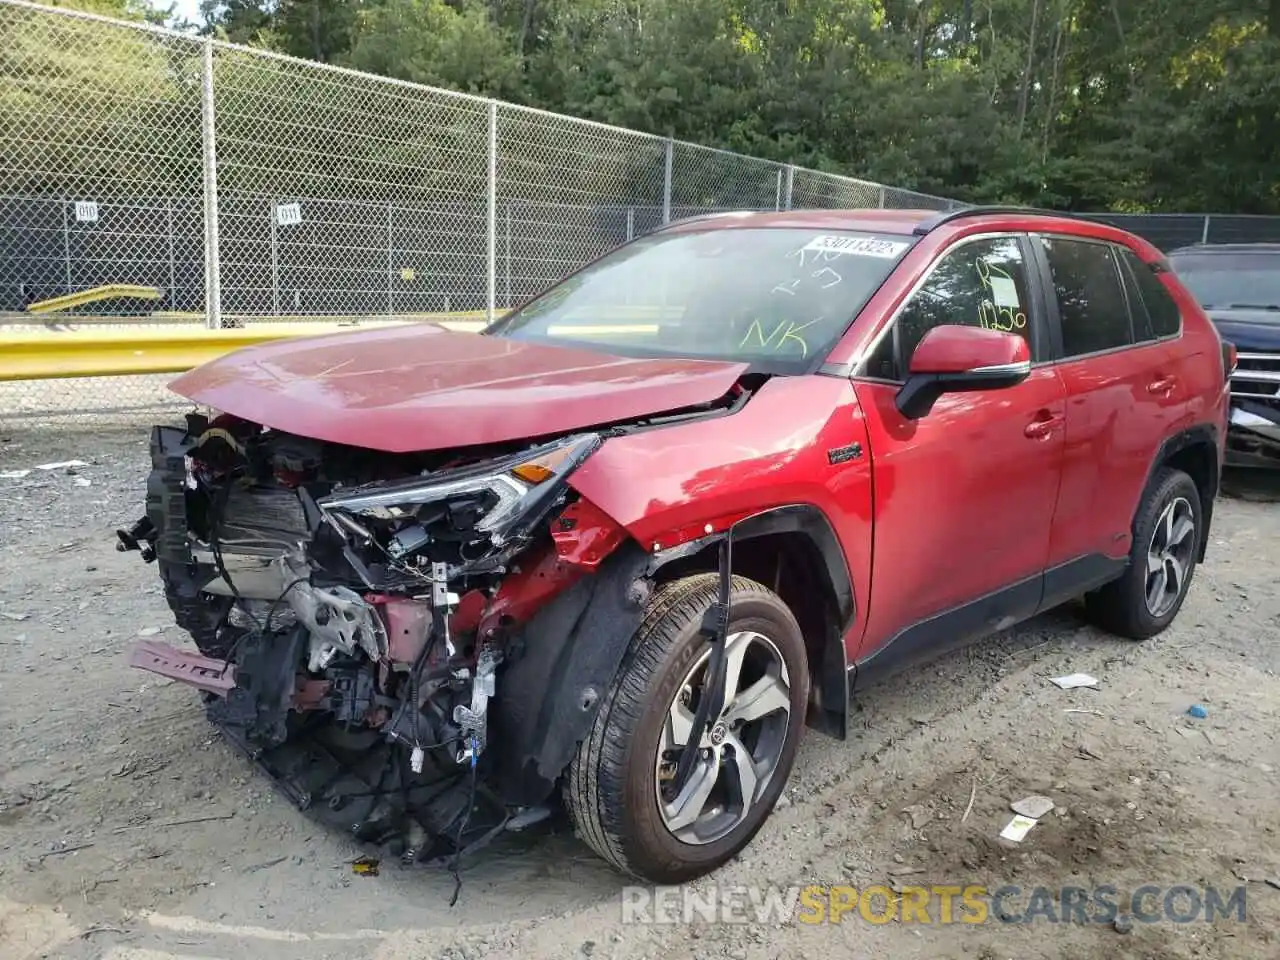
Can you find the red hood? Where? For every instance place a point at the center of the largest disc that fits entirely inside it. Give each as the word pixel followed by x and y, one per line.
pixel 421 387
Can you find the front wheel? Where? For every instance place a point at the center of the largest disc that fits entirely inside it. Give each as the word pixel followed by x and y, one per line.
pixel 619 788
pixel 1166 543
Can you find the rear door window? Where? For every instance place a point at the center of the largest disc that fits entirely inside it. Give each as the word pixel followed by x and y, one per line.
pixel 1091 300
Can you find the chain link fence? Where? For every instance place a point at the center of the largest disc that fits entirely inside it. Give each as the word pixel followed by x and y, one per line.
pixel 148 176
pixel 1168 231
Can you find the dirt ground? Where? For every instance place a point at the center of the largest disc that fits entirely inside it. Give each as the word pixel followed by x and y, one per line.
pixel 128 831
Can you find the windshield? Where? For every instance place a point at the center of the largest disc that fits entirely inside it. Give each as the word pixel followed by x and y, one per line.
pixel 775 298
pixel 1222 280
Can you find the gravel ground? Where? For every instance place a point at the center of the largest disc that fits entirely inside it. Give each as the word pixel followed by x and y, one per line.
pixel 99 763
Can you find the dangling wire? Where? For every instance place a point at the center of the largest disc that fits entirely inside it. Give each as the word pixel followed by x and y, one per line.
pixel 462 826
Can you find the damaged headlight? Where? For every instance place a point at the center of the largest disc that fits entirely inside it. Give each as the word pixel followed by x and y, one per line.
pixel 498 499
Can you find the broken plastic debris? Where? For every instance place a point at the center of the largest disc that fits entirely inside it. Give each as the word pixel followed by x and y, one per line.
pixel 365 867
pixel 1075 680
pixel 1035 806
pixel 1017 828
pixel 13 474
pixel 14 616
pixel 1197 711
pixel 83 482
pixel 150 631
pixel 62 465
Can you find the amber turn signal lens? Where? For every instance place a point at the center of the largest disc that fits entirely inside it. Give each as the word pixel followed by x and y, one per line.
pixel 533 472
pixel 543 468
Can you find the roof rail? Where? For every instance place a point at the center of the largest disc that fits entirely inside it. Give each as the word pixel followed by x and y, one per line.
pixel 947 216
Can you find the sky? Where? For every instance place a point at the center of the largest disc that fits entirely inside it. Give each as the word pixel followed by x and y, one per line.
pixel 190 9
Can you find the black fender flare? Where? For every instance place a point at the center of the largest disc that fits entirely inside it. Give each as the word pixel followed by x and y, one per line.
pixel 562 662
pixel 829 696
pixel 1198 435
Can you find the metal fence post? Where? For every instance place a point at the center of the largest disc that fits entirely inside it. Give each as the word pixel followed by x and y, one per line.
pixel 173 272
pixel 509 205
pixel 212 265
pixel 273 205
pixel 791 182
pixel 666 182
pixel 881 200
pixel 390 267
pixel 1204 234
pixel 491 304
pixel 631 224
pixel 66 244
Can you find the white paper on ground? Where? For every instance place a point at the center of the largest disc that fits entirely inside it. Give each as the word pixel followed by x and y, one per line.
pixel 1075 680
pixel 1017 828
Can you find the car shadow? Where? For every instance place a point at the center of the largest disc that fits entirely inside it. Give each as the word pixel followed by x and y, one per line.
pixel 1254 485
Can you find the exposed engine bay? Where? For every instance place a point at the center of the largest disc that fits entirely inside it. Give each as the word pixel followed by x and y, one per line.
pixel 356 614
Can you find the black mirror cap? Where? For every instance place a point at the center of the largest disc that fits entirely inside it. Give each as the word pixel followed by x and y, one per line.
pixel 921 390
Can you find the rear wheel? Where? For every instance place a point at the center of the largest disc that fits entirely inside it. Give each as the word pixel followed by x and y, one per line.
pixel 619 788
pixel 1166 543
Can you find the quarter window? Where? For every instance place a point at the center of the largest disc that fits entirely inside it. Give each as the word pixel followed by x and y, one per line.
pixel 1091 300
pixel 1161 309
pixel 982 284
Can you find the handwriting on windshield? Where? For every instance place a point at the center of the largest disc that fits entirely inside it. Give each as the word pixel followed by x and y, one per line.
pixel 785 335
pixel 1001 309
pixel 828 277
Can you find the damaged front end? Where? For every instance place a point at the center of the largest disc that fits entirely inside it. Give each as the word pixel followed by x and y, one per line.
pixel 356 614
pixel 1253 436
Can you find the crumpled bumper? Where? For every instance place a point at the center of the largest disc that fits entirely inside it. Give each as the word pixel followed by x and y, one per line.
pixel 1253 437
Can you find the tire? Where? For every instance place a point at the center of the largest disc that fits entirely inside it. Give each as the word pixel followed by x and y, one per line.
pixel 611 786
pixel 1122 607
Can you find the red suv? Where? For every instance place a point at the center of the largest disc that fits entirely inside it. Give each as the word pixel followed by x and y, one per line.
pixel 625 545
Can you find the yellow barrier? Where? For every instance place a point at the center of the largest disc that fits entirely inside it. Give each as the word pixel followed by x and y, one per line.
pixel 46 355
pixel 81 297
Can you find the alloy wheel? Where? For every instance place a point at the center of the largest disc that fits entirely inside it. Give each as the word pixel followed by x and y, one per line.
pixel 1169 556
pixel 740 751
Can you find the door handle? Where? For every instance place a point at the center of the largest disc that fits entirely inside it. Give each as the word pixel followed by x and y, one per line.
pixel 1042 426
pixel 1162 386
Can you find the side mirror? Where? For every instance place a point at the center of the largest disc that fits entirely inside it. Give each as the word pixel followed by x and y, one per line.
pixel 952 358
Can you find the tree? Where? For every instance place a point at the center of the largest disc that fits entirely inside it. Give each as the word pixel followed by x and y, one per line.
pixel 1083 104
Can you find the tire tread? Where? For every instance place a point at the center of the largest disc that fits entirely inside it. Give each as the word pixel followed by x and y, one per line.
pixel 596 776
pixel 1119 607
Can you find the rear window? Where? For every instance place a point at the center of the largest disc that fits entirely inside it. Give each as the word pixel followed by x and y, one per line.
pixel 1223 280
pixel 772 297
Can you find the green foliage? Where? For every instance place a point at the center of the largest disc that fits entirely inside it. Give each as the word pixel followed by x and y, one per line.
pixel 430 41
pixel 87 109
pixel 1158 105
